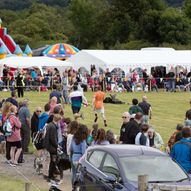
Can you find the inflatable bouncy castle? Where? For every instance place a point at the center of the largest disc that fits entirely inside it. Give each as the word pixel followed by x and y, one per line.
pixel 8 46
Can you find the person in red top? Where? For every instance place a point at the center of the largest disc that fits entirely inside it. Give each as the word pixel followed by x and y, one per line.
pixel 98 104
pixel 15 138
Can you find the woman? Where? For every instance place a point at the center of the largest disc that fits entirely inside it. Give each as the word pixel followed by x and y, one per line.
pixel 5 114
pixel 110 136
pixel 78 148
pixel 72 128
pixel 35 121
pixel 101 138
pixel 155 139
pixel 15 138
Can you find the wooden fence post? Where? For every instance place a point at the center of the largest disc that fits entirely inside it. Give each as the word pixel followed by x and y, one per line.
pixel 27 186
pixel 142 182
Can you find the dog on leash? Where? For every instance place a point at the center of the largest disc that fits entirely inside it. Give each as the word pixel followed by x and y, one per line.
pixel 2 147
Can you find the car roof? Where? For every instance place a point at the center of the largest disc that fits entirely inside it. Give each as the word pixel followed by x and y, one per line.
pixel 128 150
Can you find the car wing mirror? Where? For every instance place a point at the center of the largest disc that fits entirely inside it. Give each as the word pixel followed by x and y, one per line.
pixel 110 179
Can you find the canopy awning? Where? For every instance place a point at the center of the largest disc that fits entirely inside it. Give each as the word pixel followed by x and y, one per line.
pixel 28 62
pixel 126 59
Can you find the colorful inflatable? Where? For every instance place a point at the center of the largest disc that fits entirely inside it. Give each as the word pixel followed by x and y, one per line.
pixel 8 44
pixel 60 51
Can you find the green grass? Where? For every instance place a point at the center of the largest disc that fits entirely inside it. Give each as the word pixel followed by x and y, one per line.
pixel 12 184
pixel 168 110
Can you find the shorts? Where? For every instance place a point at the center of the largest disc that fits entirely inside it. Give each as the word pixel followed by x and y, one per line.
pixel 99 110
pixel 16 144
pixel 75 109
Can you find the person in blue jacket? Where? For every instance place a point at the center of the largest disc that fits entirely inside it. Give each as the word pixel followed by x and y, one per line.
pixel 44 117
pixel 181 151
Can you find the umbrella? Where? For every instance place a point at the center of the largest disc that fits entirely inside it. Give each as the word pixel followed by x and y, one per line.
pixel 60 51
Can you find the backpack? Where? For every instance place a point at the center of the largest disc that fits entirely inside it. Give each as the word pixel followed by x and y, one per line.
pixel 38 140
pixel 7 128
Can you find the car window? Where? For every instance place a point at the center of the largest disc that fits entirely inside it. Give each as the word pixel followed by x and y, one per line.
pixel 96 158
pixel 159 169
pixel 110 167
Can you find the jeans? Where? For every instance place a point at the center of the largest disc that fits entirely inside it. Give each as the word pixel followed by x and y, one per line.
pixel 145 119
pixel 25 134
pixel 74 165
pixel 65 95
pixel 172 85
pixel 52 165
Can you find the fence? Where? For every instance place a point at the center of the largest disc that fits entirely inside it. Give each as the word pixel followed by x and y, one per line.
pixel 144 186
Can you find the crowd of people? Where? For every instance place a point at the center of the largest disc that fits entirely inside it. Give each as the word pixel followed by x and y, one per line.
pixel 60 141
pixel 111 81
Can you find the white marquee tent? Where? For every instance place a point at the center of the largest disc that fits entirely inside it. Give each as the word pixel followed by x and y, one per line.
pixel 28 62
pixel 126 59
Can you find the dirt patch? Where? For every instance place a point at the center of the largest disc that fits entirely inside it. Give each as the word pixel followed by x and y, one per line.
pixel 26 172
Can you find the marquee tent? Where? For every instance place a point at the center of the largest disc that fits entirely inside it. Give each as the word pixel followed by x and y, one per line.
pixel 126 59
pixel 28 62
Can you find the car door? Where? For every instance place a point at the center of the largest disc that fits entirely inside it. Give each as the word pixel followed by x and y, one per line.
pixel 110 168
pixel 91 171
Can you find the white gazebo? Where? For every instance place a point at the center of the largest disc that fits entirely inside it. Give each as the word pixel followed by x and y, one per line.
pixel 131 59
pixel 29 62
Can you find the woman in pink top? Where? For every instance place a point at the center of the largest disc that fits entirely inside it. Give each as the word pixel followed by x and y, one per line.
pixel 15 138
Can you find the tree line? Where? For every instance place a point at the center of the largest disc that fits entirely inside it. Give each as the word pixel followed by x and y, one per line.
pixel 100 24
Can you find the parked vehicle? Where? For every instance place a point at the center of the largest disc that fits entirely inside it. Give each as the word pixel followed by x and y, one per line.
pixel 117 167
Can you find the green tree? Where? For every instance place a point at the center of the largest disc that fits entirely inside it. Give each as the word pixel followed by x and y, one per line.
pixel 82 17
pixel 149 26
pixel 174 27
pixel 187 8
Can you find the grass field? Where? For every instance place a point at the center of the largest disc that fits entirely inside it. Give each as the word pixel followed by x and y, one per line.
pixel 168 110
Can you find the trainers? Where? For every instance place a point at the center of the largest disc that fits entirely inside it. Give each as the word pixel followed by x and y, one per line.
pixel 7 161
pixel 12 164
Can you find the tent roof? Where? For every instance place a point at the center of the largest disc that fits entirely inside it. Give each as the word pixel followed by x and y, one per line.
pixel 28 62
pixel 126 59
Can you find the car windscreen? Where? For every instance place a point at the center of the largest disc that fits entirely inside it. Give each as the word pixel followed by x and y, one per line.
pixel 158 168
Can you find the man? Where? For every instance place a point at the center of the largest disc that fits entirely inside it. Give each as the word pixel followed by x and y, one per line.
pixel 65 87
pixel 13 99
pixel 181 151
pixel 98 105
pixel 20 84
pixel 24 116
pixel 56 93
pixel 176 136
pixel 51 144
pixel 108 77
pixel 146 108
pixel 125 118
pixel 132 128
pixel 135 108
pixel 172 81
pixel 5 76
pixel 77 99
